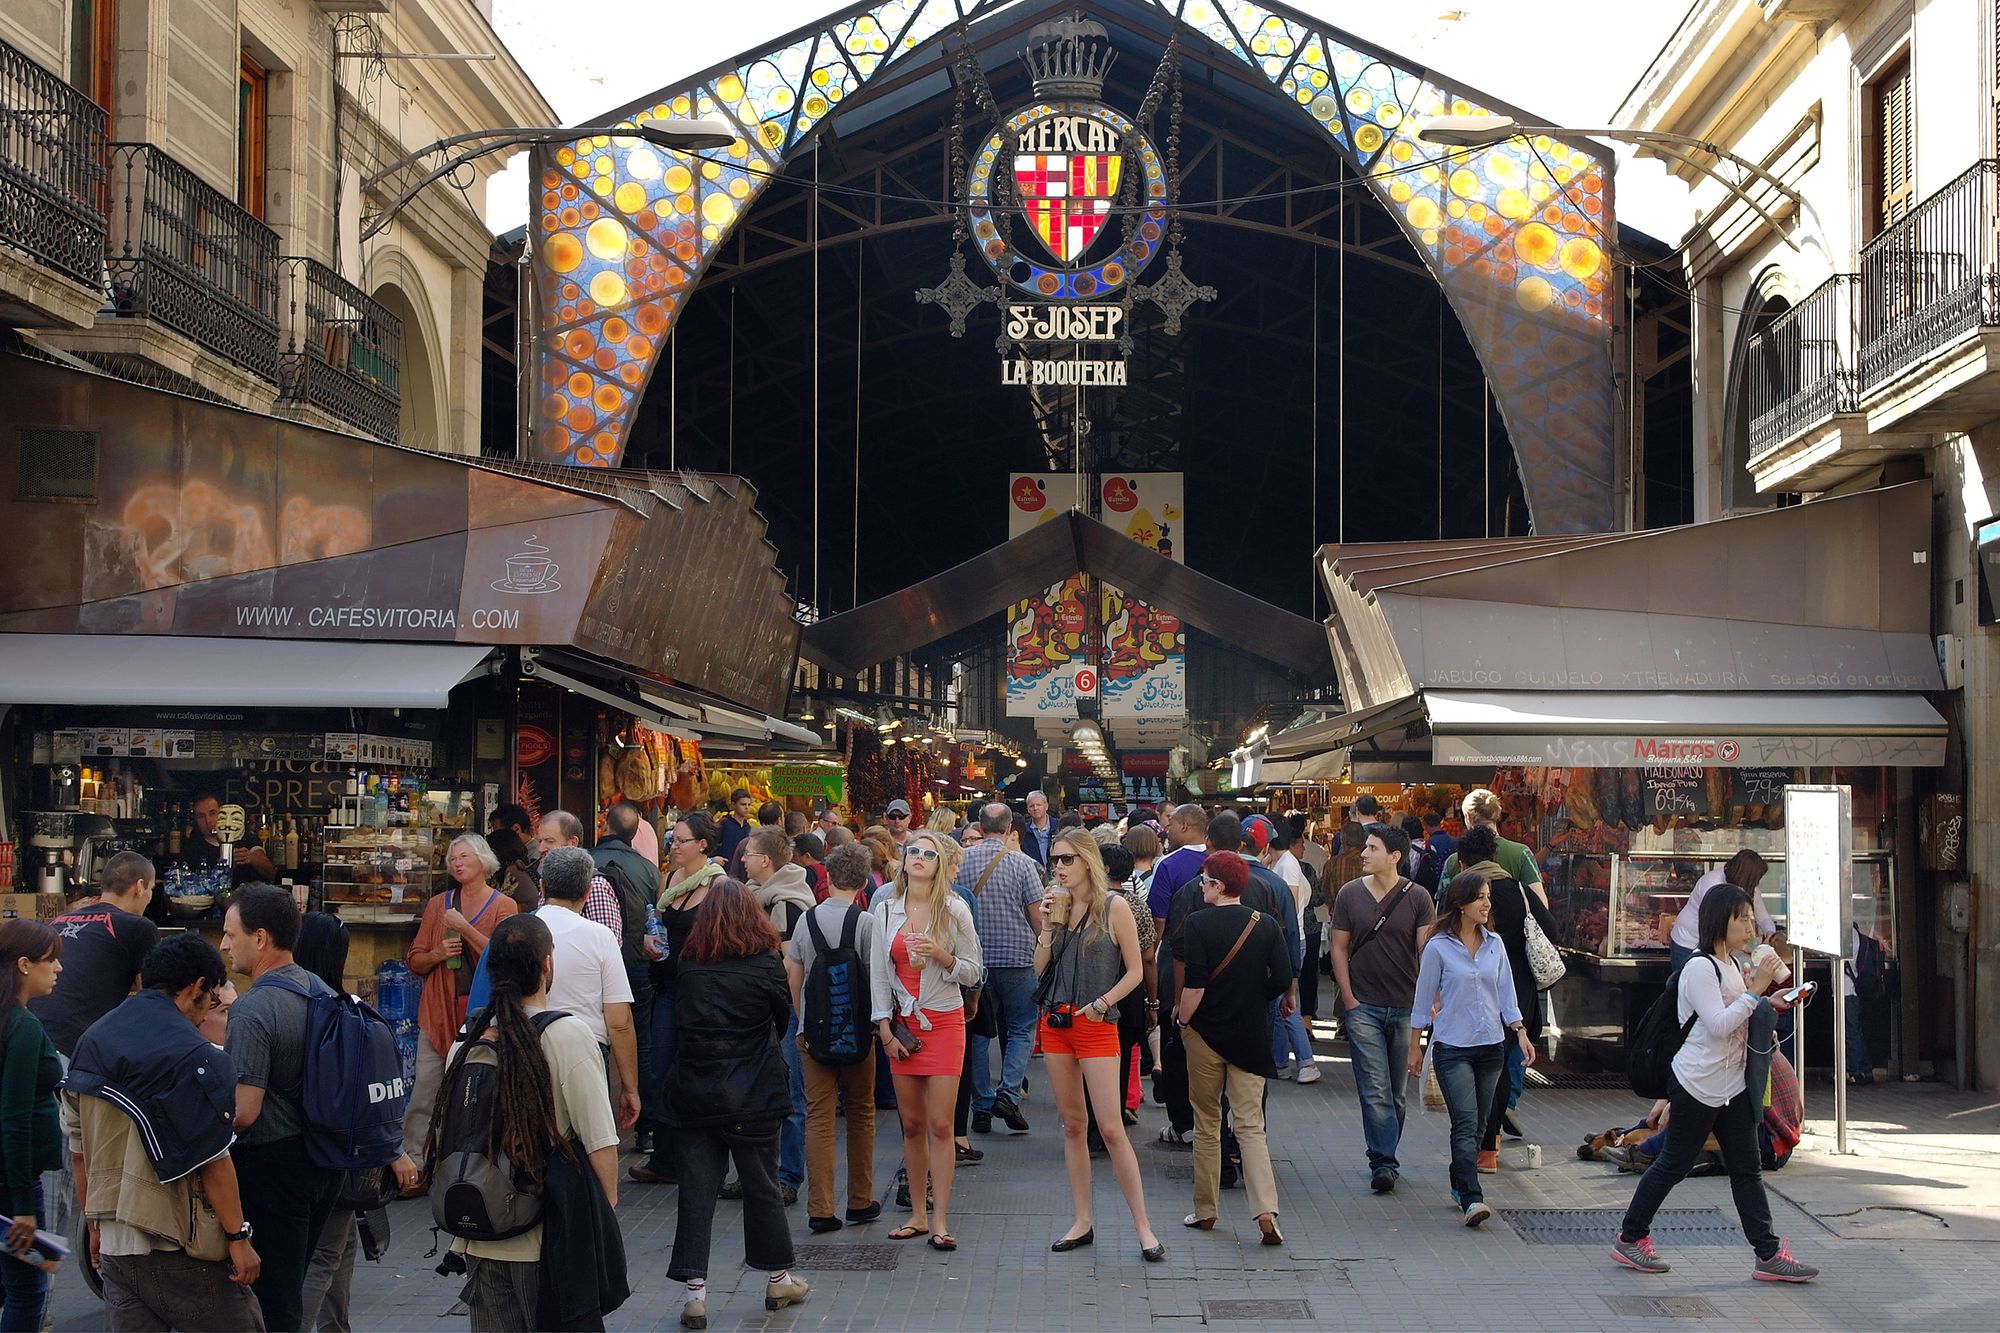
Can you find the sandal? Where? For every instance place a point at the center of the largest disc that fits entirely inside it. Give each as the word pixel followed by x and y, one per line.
pixel 943 1240
pixel 907 1231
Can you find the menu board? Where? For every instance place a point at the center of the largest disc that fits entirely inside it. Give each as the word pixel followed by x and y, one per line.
pixel 1819 844
pixel 1758 786
pixel 1675 790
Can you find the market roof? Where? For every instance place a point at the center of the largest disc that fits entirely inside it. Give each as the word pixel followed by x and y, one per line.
pixel 1071 543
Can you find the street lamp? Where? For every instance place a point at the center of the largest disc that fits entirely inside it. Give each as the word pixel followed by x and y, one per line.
pixel 1485 131
pixel 682 136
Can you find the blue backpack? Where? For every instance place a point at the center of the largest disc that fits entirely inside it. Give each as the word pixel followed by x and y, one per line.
pixel 354 1093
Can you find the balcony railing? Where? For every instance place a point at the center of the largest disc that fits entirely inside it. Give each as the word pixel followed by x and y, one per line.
pixel 1796 370
pixel 187 256
pixel 1931 278
pixel 343 350
pixel 51 169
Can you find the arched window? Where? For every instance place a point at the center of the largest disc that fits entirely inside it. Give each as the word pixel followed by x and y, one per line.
pixel 1756 375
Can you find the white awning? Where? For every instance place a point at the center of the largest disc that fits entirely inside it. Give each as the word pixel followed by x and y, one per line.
pixel 1608 729
pixel 166 671
pixel 687 720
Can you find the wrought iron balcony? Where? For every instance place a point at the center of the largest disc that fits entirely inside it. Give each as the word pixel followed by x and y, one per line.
pixel 1930 279
pixel 342 351
pixel 1797 369
pixel 186 256
pixel 51 170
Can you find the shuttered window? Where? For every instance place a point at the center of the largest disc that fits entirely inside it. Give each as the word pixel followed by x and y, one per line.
pixel 1892 183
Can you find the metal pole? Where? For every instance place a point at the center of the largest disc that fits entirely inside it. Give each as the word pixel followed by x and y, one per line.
pixel 1837 965
pixel 1798 1028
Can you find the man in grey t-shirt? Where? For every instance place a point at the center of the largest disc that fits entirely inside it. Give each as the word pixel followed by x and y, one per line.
pixel 847 871
pixel 1379 923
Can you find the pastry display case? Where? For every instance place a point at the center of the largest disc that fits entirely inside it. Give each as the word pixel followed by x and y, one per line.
pixel 391 868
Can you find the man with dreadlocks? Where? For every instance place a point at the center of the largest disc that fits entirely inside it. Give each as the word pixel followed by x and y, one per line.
pixel 552 1099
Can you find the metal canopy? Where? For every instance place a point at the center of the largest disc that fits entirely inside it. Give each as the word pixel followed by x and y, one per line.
pixel 164 671
pixel 923 613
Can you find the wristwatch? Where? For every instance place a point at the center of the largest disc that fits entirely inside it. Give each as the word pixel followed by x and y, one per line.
pixel 233 1236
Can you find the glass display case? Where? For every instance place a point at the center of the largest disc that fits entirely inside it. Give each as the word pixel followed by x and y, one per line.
pixel 393 868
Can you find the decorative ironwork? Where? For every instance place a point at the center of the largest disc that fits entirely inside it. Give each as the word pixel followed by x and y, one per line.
pixel 343 350
pixel 187 256
pixel 1931 278
pixel 1797 370
pixel 958 295
pixel 51 169
pixel 1174 294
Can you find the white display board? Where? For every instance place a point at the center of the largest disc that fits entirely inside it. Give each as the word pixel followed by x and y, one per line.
pixel 1819 850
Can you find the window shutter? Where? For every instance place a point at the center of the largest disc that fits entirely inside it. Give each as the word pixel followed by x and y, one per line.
pixel 1898 147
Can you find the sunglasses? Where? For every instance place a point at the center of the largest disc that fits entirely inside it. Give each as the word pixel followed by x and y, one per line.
pixel 1210 879
pixel 1064 858
pixel 928 853
pixel 893 816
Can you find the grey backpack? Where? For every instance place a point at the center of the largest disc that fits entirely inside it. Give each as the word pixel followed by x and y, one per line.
pixel 476 1194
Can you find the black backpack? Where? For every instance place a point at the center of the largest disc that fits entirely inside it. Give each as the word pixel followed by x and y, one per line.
pixel 475 1192
pixel 632 904
pixel 837 1002
pixel 1653 1044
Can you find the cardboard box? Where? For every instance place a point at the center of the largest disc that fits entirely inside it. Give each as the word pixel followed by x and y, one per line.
pixel 32 906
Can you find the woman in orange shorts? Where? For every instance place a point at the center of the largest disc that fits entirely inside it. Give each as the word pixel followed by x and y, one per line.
pixel 933 951
pixel 1088 958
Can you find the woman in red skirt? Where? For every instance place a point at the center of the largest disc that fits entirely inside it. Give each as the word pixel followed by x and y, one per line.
pixel 933 951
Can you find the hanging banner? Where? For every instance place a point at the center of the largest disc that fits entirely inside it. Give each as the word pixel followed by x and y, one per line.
pixel 1049 635
pixel 1145 649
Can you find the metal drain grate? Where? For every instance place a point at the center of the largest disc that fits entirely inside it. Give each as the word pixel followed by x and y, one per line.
pixel 1662 1307
pixel 846 1258
pixel 1598 1226
pixel 1257 1311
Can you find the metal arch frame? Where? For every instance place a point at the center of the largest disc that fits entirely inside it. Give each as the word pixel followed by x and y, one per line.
pixel 1557 390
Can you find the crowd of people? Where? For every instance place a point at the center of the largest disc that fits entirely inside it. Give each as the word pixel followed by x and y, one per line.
pixel 729 994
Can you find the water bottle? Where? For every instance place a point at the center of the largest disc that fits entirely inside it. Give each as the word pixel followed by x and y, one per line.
pixel 656 929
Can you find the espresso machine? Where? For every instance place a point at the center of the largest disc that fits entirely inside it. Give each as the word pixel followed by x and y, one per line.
pixel 51 836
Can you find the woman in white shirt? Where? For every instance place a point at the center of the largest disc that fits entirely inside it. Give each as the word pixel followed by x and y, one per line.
pixel 1710 1093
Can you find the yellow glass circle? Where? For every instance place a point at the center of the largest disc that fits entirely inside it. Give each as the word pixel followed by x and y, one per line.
pixel 562 252
pixel 1513 204
pixel 1466 185
pixel 677 179
pixel 1538 246
pixel 642 164
pixel 1580 257
pixel 607 288
pixel 606 238
pixel 1423 213
pixel 729 87
pixel 1368 138
pixel 631 196
pixel 718 209
pixel 1534 295
pixel 1504 169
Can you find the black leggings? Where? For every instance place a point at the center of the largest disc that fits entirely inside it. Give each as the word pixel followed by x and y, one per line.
pixel 1688 1127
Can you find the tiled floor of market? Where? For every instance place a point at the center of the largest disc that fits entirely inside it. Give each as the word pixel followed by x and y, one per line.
pixel 1351 1258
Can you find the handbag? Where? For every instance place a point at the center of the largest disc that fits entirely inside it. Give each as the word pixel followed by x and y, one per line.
pixel 1544 960
pixel 1433 1090
pixel 905 1034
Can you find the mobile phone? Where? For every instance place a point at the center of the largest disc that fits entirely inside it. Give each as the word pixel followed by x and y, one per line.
pixel 1799 992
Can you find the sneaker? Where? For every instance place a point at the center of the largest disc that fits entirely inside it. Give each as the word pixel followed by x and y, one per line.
pixel 857 1216
pixel 792 1291
pixel 1005 1108
pixel 1285 1070
pixel 1510 1120
pixel 982 1122
pixel 1382 1180
pixel 1639 1254
pixel 966 1155
pixel 1781 1267
pixel 642 1143
pixel 789 1193
pixel 731 1189
pixel 1476 1213
pixel 1630 1160
pixel 694 1314
pixel 1309 1073
pixel 822 1225
pixel 1489 1162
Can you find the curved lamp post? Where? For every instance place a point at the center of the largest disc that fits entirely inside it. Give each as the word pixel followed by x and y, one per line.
pixel 1485 131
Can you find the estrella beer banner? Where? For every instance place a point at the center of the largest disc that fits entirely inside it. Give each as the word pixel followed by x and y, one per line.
pixel 1144 666
pixel 1049 639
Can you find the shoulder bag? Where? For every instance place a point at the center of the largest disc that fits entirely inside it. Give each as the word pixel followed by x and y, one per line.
pixel 1544 960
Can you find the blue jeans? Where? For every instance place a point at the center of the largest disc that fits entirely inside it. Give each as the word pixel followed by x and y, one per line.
pixel 26 1286
pixel 1470 1078
pixel 1013 989
pixel 1378 1041
pixel 792 1134
pixel 653 1079
pixel 1288 1035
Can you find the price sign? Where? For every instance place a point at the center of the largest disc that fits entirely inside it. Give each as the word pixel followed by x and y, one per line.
pixel 1819 845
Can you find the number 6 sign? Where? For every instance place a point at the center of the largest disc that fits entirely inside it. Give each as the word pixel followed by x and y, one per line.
pixel 1086 682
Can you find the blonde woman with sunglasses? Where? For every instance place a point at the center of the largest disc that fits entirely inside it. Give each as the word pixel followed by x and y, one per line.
pixel 933 951
pixel 1087 957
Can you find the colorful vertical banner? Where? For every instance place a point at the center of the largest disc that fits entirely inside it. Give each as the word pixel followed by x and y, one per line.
pixel 1145 649
pixel 1049 635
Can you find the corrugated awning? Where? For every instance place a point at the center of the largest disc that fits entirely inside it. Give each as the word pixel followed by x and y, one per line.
pixel 660 706
pixel 162 671
pixel 1801 729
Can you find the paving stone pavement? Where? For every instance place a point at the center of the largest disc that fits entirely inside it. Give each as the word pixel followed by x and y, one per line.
pixel 1925 1170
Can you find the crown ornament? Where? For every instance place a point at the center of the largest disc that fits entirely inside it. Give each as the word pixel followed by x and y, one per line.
pixel 1069 58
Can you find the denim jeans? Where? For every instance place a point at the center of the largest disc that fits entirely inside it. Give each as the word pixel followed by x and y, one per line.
pixel 1288 1035
pixel 704 1152
pixel 1470 1079
pixel 166 1289
pixel 1378 1041
pixel 26 1286
pixel 653 1079
pixel 1688 1127
pixel 1013 989
pixel 1859 1064
pixel 792 1136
